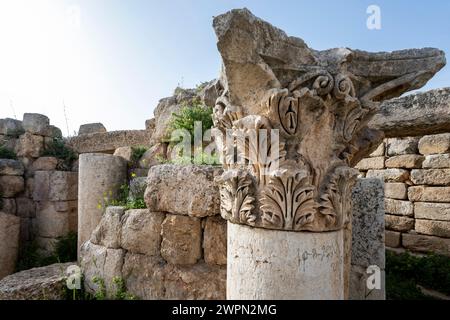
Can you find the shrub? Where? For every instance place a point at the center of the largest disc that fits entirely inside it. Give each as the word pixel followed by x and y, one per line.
pixel 136 155
pixel 58 149
pixel 6 153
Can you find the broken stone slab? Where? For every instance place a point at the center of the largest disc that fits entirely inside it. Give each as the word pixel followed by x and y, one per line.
pixel 45 283
pixel 9 243
pixel 10 167
pixel 186 190
pixel 108 142
pixel 89 128
pixel 36 123
pixel 415 114
pixel 10 126
pixel 124 152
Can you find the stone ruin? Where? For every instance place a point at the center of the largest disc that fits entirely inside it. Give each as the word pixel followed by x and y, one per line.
pixel 306 223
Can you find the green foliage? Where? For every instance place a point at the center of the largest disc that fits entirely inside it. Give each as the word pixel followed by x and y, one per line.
pixel 58 149
pixel 188 115
pixel 65 250
pixel 122 200
pixel 15 133
pixel 405 271
pixel 201 159
pixel 201 86
pixel 136 154
pixel 6 153
pixel 100 294
pixel 121 290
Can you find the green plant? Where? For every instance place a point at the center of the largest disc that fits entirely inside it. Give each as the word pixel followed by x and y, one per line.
pixel 121 200
pixel 6 153
pixel 121 290
pixel 136 154
pixel 15 133
pixel 201 159
pixel 100 294
pixel 58 149
pixel 199 87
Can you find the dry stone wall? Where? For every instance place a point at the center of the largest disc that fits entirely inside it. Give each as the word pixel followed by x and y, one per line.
pixel 416 172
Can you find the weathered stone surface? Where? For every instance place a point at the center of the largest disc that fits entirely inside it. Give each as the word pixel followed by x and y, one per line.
pixel 150 124
pixel 153 156
pixel 36 123
pixel 399 207
pixel 181 239
pixel 431 176
pixel 8 205
pixel 400 146
pixel 432 194
pixel 45 164
pixel 9 243
pixel 52 132
pixel 389 175
pixel 423 243
pixel 103 263
pixel 433 228
pixel 11 185
pixel 416 114
pixel 210 92
pixel 108 142
pixel 52 223
pixel 55 185
pixel 108 231
pixel 11 167
pixel 439 143
pixel 10 126
pixel 432 211
pixel 100 176
pixel 370 163
pixel 393 238
pixel 29 145
pixel 215 241
pixel 188 190
pixel 407 161
pixel 398 223
pixel 137 188
pixel 368 223
pixel 26 207
pixel 141 232
pixel 358 285
pixel 395 190
pixel 437 161
pixel 124 152
pixel 45 283
pixel 379 151
pixel 89 128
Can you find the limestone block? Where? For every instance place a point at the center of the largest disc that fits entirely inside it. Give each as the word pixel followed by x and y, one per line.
pixel 35 123
pixel 10 167
pixel 368 223
pixel 51 223
pixel 432 211
pixel 215 241
pixel 433 228
pixel 55 186
pixel 11 185
pixel 98 261
pixel 398 223
pixel 45 164
pixel 10 126
pixel 154 156
pixel 431 176
pixel 52 132
pixel 188 190
pixel 395 190
pixel 99 175
pixel 389 175
pixel 438 143
pixel 423 243
pixel 181 239
pixel 393 238
pixel 141 232
pixel 437 161
pixel 124 152
pixel 8 205
pixel 379 151
pixel 107 233
pixel 29 145
pixel 399 207
pixel 9 243
pixel 150 124
pixel 44 283
pixel 26 207
pixel 163 113
pixel 358 285
pixel 407 161
pixel 431 194
pixel 273 264
pixel 371 163
pixel 398 146
pixel 91 128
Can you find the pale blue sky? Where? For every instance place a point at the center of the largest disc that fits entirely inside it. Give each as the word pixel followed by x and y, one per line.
pixel 112 60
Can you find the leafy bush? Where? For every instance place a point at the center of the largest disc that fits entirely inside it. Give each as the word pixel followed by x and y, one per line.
pixel 6 153
pixel 136 155
pixel 58 149
pixel 122 200
pixel 405 271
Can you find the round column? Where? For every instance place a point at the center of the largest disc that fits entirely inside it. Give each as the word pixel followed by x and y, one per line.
pixel 272 264
pixel 99 175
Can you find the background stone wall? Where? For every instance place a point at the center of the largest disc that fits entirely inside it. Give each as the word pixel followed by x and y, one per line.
pixel 416 172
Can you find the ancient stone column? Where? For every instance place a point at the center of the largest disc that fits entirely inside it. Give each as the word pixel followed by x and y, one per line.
pixel 99 179
pixel 290 124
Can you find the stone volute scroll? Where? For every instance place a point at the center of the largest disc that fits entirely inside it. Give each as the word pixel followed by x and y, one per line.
pixel 292 121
